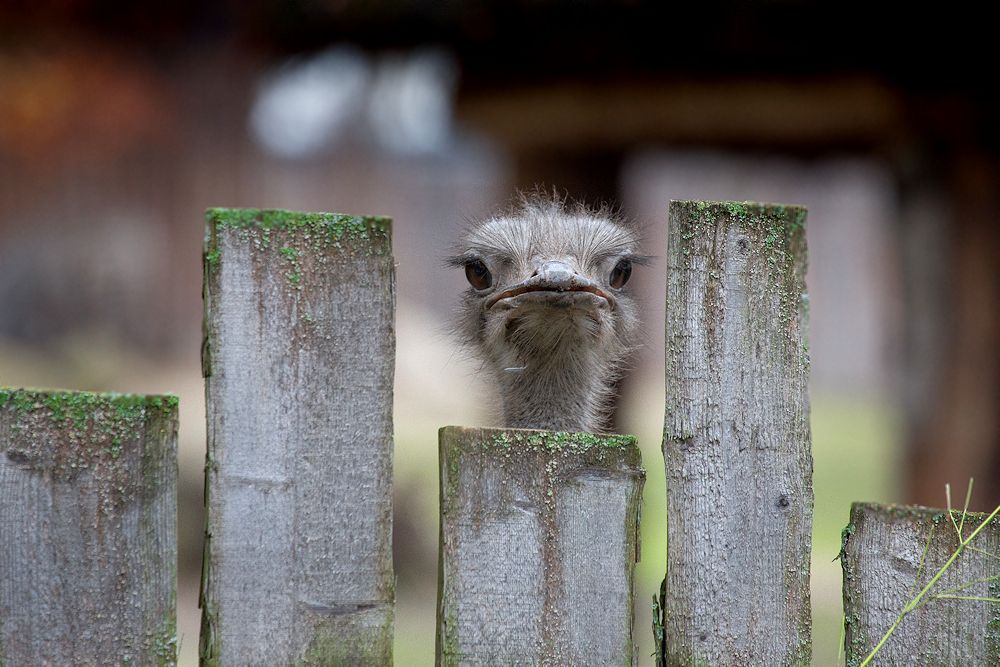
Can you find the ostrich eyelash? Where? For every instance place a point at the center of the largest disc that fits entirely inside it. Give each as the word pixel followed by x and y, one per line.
pixel 458 261
pixel 638 260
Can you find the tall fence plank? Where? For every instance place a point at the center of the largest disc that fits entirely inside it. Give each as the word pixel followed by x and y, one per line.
pixel 539 540
pixel 736 438
pixel 88 528
pixel 883 549
pixel 298 359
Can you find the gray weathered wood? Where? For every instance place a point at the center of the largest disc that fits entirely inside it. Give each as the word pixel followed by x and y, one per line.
pixel 736 437
pixel 883 547
pixel 88 528
pixel 539 540
pixel 298 358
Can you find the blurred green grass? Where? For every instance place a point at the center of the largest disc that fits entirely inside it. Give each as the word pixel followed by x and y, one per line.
pixel 855 453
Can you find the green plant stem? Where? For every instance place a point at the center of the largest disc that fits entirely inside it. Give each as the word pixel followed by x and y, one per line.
pixel 960 587
pixel 840 642
pixel 923 560
pixel 942 596
pixel 983 552
pixel 968 499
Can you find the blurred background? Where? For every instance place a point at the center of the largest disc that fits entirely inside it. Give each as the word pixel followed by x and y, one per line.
pixel 121 121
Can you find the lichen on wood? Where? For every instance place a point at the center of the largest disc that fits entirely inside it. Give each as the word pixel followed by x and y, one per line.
pixel 736 437
pixel 539 539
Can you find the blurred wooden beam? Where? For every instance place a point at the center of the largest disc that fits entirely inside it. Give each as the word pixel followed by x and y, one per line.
pixel 776 114
pixel 951 374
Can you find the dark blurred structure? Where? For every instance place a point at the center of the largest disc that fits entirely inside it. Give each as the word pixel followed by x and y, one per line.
pixel 136 102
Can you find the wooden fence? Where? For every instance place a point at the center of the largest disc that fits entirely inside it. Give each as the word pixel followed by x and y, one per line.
pixel 539 540
pixel 298 364
pixel 539 530
pixel 88 528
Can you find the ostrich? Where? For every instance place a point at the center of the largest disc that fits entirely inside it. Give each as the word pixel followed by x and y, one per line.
pixel 547 311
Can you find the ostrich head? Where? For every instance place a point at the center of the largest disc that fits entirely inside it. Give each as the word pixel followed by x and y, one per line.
pixel 548 310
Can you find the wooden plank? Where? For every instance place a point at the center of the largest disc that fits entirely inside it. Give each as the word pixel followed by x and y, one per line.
pixel 298 359
pixel 881 558
pixel 736 436
pixel 609 115
pixel 539 540
pixel 88 528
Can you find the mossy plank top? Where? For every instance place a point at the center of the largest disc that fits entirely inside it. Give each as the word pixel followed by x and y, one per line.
pixel 64 404
pixel 889 553
pixel 88 487
pixel 88 424
pixel 513 441
pixel 793 214
pixel 321 231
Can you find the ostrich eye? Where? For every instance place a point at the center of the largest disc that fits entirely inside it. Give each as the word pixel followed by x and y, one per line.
pixel 621 273
pixel 478 275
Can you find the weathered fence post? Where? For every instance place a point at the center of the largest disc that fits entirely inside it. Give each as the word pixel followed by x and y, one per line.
pixel 736 437
pixel 539 540
pixel 890 554
pixel 298 360
pixel 88 528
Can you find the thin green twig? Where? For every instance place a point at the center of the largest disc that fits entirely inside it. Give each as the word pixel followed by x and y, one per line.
pixel 995 577
pixel 983 552
pixel 923 559
pixel 968 499
pixel 964 597
pixel 951 512
pixel 840 642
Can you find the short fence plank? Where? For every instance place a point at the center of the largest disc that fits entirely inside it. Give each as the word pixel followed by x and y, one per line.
pixel 88 528
pixel 736 436
pixel 539 540
pixel 298 358
pixel 883 548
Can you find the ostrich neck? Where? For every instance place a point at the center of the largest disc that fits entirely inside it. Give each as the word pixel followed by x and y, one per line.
pixel 566 391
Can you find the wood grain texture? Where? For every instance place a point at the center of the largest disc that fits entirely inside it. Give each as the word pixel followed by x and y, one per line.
pixel 298 358
pixel 88 528
pixel 883 547
pixel 736 440
pixel 539 540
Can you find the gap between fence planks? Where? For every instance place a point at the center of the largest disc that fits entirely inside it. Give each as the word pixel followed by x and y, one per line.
pixel 88 528
pixel 298 359
pixel 882 553
pixel 736 438
pixel 539 540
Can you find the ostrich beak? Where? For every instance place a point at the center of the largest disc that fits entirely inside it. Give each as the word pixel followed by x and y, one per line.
pixel 555 278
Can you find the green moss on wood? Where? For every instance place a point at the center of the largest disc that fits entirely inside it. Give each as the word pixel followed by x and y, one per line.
pixel 919 513
pixel 296 235
pixel 73 431
pixel 212 256
pixel 560 441
pixel 110 413
pixel 772 237
pixel 337 641
pixel 371 234
pixel 163 643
